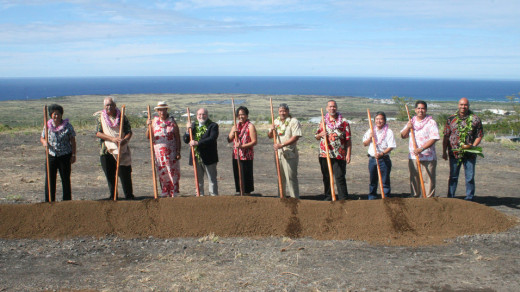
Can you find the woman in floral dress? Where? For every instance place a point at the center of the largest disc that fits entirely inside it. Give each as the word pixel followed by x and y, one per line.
pixel 167 148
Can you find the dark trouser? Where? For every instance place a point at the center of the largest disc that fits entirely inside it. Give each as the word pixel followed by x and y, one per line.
pixel 246 167
pixel 339 169
pixel 385 165
pixel 61 164
pixel 109 165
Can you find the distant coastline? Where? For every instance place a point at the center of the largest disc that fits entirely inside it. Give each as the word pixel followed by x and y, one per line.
pixel 379 88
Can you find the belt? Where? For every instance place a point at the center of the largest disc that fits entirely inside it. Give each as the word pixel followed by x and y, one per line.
pixel 384 156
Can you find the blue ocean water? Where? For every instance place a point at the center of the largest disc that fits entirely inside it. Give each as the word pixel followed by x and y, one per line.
pixel 427 89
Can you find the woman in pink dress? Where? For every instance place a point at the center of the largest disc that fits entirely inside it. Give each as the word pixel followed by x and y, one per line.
pixel 167 148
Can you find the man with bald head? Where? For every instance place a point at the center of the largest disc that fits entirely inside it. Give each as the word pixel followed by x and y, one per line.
pixel 463 130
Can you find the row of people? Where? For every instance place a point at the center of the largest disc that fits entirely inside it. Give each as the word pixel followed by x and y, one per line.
pixel 463 130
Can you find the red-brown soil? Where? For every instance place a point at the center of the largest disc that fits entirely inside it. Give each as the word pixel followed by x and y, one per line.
pixel 394 221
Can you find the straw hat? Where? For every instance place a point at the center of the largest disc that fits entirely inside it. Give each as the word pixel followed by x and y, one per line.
pixel 161 104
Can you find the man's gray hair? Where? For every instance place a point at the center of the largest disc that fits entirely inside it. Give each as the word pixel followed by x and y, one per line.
pixel 204 109
pixel 113 99
pixel 284 106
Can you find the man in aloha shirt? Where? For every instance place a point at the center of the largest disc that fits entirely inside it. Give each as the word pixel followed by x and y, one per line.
pixel 451 141
pixel 288 131
pixel 340 147
pixel 426 134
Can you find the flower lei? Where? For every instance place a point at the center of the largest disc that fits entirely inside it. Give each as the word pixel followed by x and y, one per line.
pixel 379 141
pixel 53 128
pixel 281 127
pixel 336 124
pixel 418 125
pixel 166 123
pixel 463 133
pixel 199 131
pixel 108 120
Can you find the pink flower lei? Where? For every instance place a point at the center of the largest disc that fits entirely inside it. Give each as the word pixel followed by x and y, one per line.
pixel 109 121
pixel 53 128
pixel 418 125
pixel 338 122
pixel 383 134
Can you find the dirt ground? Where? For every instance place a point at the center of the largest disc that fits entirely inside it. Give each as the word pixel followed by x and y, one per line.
pixel 485 258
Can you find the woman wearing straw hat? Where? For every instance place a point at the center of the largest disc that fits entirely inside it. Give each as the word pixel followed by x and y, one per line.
pixel 167 148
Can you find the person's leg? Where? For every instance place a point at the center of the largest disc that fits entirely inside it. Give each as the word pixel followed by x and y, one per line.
pixel 339 168
pixel 284 175
pixel 64 168
pixel 454 176
pixel 247 176
pixel 234 162
pixel 415 184
pixel 125 174
pixel 201 171
pixel 211 171
pixel 325 176
pixel 108 164
pixel 386 167
pixel 53 168
pixel 291 171
pixel 428 171
pixel 469 172
pixel 372 171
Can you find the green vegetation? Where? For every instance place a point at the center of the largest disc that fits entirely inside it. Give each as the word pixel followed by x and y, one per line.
pixel 400 103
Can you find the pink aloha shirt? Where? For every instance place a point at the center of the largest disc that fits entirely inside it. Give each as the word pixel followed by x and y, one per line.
pixel 423 132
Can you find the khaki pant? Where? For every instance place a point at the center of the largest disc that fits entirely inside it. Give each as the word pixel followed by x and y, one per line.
pixel 428 169
pixel 289 174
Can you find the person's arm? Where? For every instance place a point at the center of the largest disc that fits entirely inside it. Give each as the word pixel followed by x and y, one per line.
pixel 177 137
pixel 73 145
pixel 477 141
pixel 349 151
pixel 186 136
pixel 231 135
pixel 425 146
pixel 445 142
pixel 406 131
pixel 369 139
pixel 290 141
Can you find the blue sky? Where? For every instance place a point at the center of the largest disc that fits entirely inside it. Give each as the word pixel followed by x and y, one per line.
pixel 362 38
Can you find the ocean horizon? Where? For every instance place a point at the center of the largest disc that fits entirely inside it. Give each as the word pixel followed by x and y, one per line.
pixel 25 88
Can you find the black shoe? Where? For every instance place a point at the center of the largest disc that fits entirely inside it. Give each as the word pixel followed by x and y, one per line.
pixel 329 199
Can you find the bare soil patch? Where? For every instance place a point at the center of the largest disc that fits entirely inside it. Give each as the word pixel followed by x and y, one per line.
pixel 393 221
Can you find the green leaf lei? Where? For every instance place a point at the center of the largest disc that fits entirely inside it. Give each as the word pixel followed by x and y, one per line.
pixel 464 131
pixel 199 131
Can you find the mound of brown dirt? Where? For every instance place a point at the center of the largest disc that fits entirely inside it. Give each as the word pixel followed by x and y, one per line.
pixel 391 221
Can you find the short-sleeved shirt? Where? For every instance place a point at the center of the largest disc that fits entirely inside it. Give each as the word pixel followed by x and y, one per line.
pixel 451 130
pixel 383 140
pixel 59 139
pixel 286 130
pixel 424 131
pixel 99 129
pixel 338 138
